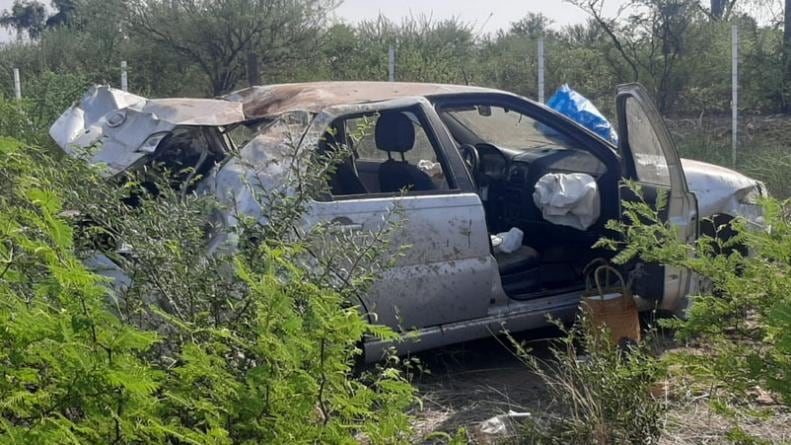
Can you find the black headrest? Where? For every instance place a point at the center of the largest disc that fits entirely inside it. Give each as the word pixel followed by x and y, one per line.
pixel 394 132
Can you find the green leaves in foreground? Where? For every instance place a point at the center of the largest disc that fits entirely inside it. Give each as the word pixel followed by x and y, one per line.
pixel 264 355
pixel 71 371
pixel 742 315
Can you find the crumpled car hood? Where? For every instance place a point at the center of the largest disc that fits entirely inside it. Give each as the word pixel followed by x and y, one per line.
pixel 125 127
pixel 723 191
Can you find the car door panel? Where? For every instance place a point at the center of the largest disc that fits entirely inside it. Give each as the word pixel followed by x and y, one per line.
pixel 652 160
pixel 443 275
pixel 445 271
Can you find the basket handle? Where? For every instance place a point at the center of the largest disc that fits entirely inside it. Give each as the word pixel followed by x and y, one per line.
pixel 609 269
pixel 589 270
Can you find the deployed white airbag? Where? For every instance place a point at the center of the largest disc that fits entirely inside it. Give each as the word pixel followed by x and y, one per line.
pixel 568 199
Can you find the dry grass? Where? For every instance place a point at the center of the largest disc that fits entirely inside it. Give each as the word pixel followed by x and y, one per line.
pixel 473 382
pixel 764 150
pixel 694 421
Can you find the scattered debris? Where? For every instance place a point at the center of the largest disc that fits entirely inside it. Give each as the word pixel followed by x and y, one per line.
pixel 502 424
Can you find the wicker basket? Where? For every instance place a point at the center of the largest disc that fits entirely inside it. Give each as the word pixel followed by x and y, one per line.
pixel 611 304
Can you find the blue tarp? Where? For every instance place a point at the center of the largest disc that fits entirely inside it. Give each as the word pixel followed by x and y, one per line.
pixel 575 106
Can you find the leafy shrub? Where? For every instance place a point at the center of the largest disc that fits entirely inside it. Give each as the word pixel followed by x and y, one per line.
pixel 603 392
pixel 742 316
pixel 194 348
pixel 71 370
pixel 14 121
pixel 46 96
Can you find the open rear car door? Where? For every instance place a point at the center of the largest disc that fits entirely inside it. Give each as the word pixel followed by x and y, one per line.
pixel 650 158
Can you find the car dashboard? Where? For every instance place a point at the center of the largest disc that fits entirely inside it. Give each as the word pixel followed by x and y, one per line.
pixel 510 177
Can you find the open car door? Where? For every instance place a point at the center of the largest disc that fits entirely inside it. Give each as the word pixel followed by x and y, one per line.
pixel 650 158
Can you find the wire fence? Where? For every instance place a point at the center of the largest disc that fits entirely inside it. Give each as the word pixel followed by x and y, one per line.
pixel 392 65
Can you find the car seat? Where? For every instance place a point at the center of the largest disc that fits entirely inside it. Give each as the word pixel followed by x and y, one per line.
pixel 395 132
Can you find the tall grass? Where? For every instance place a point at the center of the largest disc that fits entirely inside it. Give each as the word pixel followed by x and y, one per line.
pixel 764 150
pixel 602 393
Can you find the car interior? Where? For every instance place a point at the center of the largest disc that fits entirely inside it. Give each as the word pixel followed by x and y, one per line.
pixel 510 153
pixel 513 153
pixel 387 153
pixel 182 156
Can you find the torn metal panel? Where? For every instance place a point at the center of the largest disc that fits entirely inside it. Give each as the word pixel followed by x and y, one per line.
pixel 262 168
pixel 195 112
pixel 265 101
pixel 124 127
pixel 723 191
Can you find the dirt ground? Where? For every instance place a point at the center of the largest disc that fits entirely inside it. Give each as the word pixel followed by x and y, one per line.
pixel 469 383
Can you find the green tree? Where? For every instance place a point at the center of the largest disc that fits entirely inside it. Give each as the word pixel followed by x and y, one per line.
pixel 650 40
pixel 787 51
pixel 218 36
pixel 427 50
pixel 25 16
pixel 720 9
pixel 65 10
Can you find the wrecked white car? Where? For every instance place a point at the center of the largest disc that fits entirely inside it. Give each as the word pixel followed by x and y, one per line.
pixel 474 163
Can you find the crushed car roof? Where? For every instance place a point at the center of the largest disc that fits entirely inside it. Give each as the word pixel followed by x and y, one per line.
pixel 270 100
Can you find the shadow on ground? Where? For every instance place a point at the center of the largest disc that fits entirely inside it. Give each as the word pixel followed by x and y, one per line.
pixel 471 382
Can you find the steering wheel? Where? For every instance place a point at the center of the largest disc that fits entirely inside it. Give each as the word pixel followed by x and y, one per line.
pixel 471 158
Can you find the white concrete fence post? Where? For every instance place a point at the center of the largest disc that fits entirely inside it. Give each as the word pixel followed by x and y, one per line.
pixel 541 69
pixel 17 85
pixel 391 63
pixel 124 78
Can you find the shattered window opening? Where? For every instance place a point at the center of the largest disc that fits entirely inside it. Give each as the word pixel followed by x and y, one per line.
pixel 508 128
pixel 403 156
pixel 649 160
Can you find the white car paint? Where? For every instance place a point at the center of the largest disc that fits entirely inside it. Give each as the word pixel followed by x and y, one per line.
pixel 721 191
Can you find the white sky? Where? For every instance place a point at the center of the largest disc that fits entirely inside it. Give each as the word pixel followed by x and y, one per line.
pixel 5 4
pixel 486 15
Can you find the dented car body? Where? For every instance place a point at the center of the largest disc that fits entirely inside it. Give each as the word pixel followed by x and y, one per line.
pixel 461 163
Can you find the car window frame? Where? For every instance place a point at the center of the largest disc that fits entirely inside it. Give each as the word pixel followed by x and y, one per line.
pixel 603 150
pixel 440 140
pixel 589 141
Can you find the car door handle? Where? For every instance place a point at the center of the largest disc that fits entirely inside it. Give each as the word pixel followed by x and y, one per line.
pixel 354 227
pixel 344 223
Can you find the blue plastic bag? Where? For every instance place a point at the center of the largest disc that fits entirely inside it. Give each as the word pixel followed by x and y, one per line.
pixel 575 106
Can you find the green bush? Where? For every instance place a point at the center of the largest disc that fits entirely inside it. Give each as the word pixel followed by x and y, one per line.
pixel 742 316
pixel 738 330
pixel 47 96
pixel 196 348
pixel 602 393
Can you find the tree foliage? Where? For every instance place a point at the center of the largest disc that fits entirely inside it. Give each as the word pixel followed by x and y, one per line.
pixel 680 49
pixel 743 313
pixel 182 346
pixel 217 36
pixel 25 16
